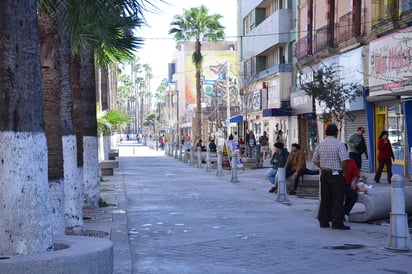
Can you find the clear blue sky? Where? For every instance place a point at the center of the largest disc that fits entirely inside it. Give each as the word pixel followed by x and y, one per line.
pixel 159 46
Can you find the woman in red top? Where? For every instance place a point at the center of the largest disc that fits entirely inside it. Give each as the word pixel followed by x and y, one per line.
pixel 385 156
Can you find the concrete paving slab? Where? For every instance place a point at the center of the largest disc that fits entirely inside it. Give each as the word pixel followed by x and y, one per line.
pixel 181 219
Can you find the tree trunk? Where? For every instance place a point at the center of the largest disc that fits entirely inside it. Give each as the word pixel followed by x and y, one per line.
pixel 25 219
pixel 50 81
pixel 198 131
pixel 91 168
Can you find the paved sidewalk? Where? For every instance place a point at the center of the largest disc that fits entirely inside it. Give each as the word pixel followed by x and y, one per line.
pixel 166 216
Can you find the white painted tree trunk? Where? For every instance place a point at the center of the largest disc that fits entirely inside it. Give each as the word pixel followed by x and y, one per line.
pixel 56 200
pixel 91 172
pixel 101 147
pixel 25 221
pixel 73 188
pixel 106 144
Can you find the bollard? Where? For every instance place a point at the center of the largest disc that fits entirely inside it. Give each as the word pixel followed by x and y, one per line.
pixel 199 157
pixel 192 156
pixel 170 152
pixel 185 156
pixel 281 178
pixel 208 164
pixel 399 238
pixel 180 152
pixel 234 168
pixel 219 163
pixel 176 151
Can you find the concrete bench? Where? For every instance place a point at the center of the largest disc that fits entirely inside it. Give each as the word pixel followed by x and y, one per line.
pixel 107 167
pixel 113 154
pixel 308 184
pixel 377 204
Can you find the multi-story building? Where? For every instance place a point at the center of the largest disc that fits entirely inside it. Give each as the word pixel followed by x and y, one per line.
pixel 368 41
pixel 266 67
pixel 219 86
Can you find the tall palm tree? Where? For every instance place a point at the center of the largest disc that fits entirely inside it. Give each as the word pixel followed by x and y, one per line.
pixel 25 220
pixel 197 24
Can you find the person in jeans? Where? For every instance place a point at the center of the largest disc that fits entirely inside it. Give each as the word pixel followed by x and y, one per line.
pixel 278 160
pixel 296 165
pixel 331 156
pixel 264 145
pixel 385 156
pixel 357 146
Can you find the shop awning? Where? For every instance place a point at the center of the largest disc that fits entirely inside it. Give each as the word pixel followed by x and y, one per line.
pixel 273 112
pixel 236 119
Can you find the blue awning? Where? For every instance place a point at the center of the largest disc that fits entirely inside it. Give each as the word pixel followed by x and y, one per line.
pixel 236 119
pixel 273 112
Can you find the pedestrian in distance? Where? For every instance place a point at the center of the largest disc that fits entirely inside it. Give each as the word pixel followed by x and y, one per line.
pixel 280 137
pixel 385 156
pixel 351 181
pixel 278 160
pixel 357 146
pixel 296 166
pixel 264 145
pixel 331 156
pixel 251 144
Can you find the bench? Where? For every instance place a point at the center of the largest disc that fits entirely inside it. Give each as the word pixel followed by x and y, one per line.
pixel 377 204
pixel 107 167
pixel 113 154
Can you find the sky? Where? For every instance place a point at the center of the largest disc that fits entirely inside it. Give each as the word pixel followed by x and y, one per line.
pixel 159 46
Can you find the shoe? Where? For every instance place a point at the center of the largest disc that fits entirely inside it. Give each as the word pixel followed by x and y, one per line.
pixel 273 189
pixel 377 181
pixel 323 225
pixel 292 192
pixel 341 227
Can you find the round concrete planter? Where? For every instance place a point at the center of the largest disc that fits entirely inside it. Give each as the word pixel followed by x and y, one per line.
pixel 73 254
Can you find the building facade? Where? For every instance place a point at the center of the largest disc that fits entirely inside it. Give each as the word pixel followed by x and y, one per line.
pixel 283 42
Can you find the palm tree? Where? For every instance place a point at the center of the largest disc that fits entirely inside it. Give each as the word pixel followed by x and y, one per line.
pixel 25 219
pixel 197 24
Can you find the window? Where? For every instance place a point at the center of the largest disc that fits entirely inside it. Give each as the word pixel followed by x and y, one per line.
pixel 396 130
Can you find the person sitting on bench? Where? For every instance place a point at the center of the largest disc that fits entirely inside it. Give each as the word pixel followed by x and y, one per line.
pixel 295 166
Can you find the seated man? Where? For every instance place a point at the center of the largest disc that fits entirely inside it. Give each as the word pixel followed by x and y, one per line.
pixel 296 166
pixel 278 160
pixel 212 146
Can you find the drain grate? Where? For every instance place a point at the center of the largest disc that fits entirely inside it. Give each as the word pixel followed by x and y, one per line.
pixel 346 247
pixel 4 258
pixel 96 233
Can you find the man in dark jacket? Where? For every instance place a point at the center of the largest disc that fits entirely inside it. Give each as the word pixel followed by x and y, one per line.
pixel 278 160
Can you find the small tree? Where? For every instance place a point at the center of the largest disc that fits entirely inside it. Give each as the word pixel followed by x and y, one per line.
pixel 332 93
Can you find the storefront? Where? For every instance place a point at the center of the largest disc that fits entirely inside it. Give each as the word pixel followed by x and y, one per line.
pixel 390 92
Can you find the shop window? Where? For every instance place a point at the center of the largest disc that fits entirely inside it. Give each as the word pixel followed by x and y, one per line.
pixel 396 130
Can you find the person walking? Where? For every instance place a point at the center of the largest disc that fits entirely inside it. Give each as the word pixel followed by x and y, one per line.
pixel 278 160
pixel 331 156
pixel 251 144
pixel 296 166
pixel 385 156
pixel 280 137
pixel 357 146
pixel 264 146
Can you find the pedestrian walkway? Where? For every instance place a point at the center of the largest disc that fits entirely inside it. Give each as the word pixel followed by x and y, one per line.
pixel 165 216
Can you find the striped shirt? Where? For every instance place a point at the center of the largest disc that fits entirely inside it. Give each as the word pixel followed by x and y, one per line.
pixel 330 153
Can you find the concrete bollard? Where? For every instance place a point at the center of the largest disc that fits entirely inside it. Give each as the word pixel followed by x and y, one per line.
pixel 234 168
pixel 281 178
pixel 180 152
pixel 399 238
pixel 176 156
pixel 185 156
pixel 199 157
pixel 192 156
pixel 219 163
pixel 208 164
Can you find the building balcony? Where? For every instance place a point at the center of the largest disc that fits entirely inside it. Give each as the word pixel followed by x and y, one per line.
pixel 272 31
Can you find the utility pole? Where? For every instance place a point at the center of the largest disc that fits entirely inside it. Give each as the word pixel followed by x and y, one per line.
pixel 228 98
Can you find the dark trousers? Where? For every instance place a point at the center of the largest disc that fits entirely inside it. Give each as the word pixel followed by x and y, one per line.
pixel 332 194
pixel 382 163
pixel 296 179
pixel 357 158
pixel 351 196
